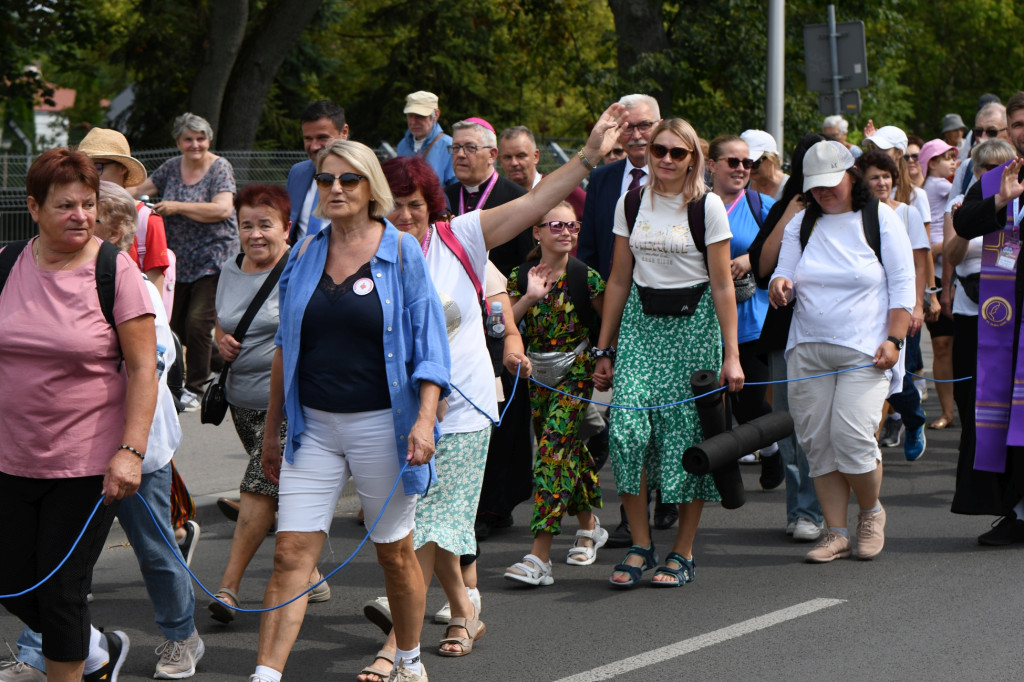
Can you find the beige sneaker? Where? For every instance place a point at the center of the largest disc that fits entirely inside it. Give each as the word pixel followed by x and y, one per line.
pixel 831 546
pixel 870 534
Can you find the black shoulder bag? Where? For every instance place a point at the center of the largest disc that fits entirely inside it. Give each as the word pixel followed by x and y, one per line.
pixel 215 399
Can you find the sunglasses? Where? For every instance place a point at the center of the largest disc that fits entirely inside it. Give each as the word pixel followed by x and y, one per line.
pixel 910 157
pixel 659 151
pixel 754 165
pixel 349 181
pixel 735 163
pixel 558 226
pixel 987 132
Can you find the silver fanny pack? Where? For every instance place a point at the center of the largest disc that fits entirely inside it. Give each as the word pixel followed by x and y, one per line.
pixel 552 368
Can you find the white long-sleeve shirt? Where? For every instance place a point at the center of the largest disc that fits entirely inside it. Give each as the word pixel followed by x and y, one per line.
pixel 843 294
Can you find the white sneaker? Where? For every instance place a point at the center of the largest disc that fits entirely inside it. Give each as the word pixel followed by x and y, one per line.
pixel 806 530
pixel 444 616
pixel 189 401
pixel 752 458
pixel 790 527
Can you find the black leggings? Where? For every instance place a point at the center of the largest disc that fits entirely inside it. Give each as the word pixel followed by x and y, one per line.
pixel 43 518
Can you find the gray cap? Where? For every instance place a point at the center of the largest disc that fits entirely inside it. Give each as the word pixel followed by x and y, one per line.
pixel 952 122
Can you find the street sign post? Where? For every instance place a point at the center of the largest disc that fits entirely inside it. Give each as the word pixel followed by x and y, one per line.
pixel 835 56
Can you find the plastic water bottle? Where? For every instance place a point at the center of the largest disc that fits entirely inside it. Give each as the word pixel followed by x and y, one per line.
pixel 496 322
pixel 161 364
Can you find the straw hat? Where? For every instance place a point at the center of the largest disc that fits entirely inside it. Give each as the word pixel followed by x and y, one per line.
pixel 104 144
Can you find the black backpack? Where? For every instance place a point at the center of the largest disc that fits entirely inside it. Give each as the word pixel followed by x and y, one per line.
pixel 579 293
pixel 694 211
pixel 869 221
pixel 106 273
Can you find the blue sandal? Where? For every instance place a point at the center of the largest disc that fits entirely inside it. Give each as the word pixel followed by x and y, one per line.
pixel 650 558
pixel 682 575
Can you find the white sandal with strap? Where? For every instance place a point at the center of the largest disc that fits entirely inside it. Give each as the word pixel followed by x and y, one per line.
pixel 531 570
pixel 598 536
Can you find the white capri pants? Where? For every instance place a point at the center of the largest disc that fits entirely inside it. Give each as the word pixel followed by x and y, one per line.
pixel 334 447
pixel 836 416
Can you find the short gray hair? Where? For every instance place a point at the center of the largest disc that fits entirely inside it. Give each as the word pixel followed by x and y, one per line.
pixel 837 121
pixel 116 209
pixel 486 136
pixel 992 151
pixel 630 101
pixel 989 110
pixel 515 131
pixel 193 122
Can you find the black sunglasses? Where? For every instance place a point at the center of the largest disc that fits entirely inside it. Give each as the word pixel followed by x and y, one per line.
pixel 659 151
pixel 910 157
pixel 557 226
pixel 735 163
pixel 349 181
pixel 987 132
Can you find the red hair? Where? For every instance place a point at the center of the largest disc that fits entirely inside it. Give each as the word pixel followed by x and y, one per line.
pixel 406 174
pixel 271 196
pixel 60 166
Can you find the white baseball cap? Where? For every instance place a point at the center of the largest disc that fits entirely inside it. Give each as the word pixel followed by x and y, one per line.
pixel 759 142
pixel 825 164
pixel 888 137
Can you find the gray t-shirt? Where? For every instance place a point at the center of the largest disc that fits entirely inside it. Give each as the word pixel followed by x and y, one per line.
pixel 248 383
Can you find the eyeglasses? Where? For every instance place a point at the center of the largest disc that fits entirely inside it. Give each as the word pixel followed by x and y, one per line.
pixel 557 226
pixel 735 163
pixel 349 181
pixel 617 151
pixel 470 149
pixel 659 151
pixel 642 126
pixel 987 132
pixel 910 157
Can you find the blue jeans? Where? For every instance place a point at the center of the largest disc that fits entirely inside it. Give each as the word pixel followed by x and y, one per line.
pixel 167 582
pixel 908 403
pixel 801 499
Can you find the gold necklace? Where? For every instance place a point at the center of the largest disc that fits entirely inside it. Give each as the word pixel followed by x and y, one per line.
pixel 35 253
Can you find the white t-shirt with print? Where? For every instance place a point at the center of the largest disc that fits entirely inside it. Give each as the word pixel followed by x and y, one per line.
pixel 663 250
pixel 471 364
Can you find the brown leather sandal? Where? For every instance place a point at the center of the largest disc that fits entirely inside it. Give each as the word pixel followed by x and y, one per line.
pixel 473 626
pixel 384 675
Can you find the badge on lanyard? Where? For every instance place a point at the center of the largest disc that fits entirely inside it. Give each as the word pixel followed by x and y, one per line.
pixel 1007 259
pixel 363 286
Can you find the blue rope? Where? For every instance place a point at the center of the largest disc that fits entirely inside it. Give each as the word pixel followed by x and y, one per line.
pixel 62 561
pixel 362 543
pixel 181 560
pixel 508 401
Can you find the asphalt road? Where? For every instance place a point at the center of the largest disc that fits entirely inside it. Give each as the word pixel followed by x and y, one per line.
pixel 934 605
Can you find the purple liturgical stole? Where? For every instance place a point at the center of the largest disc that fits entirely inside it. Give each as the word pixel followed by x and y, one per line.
pixel 999 412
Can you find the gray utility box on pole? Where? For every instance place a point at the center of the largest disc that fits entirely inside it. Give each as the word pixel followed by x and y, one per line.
pixel 835 56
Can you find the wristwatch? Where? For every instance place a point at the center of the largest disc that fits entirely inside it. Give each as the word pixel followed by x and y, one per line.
pixel 896 342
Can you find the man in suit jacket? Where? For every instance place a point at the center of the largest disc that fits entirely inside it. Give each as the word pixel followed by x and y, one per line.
pixel 518 156
pixel 609 182
pixel 474 151
pixel 322 122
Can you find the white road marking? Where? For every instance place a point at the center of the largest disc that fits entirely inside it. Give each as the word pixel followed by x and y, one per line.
pixel 665 653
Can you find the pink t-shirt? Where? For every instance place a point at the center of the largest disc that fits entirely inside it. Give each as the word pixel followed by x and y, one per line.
pixel 62 396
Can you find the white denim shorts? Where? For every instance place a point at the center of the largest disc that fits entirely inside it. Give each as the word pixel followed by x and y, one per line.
pixel 335 447
pixel 835 416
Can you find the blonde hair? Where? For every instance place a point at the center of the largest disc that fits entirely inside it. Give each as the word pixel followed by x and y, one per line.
pixel 364 161
pixel 536 251
pixel 116 214
pixel 694 186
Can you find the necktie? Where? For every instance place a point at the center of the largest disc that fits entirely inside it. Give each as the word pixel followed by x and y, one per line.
pixel 638 175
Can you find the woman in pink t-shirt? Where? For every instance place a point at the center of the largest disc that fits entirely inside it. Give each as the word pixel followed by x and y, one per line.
pixel 76 401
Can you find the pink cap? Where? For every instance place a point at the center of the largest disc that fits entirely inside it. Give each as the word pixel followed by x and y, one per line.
pixel 930 150
pixel 480 122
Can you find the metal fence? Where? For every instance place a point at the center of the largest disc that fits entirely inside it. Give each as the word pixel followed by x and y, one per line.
pixel 269 167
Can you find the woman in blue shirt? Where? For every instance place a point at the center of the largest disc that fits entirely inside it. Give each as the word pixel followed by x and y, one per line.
pixel 361 363
pixel 729 164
